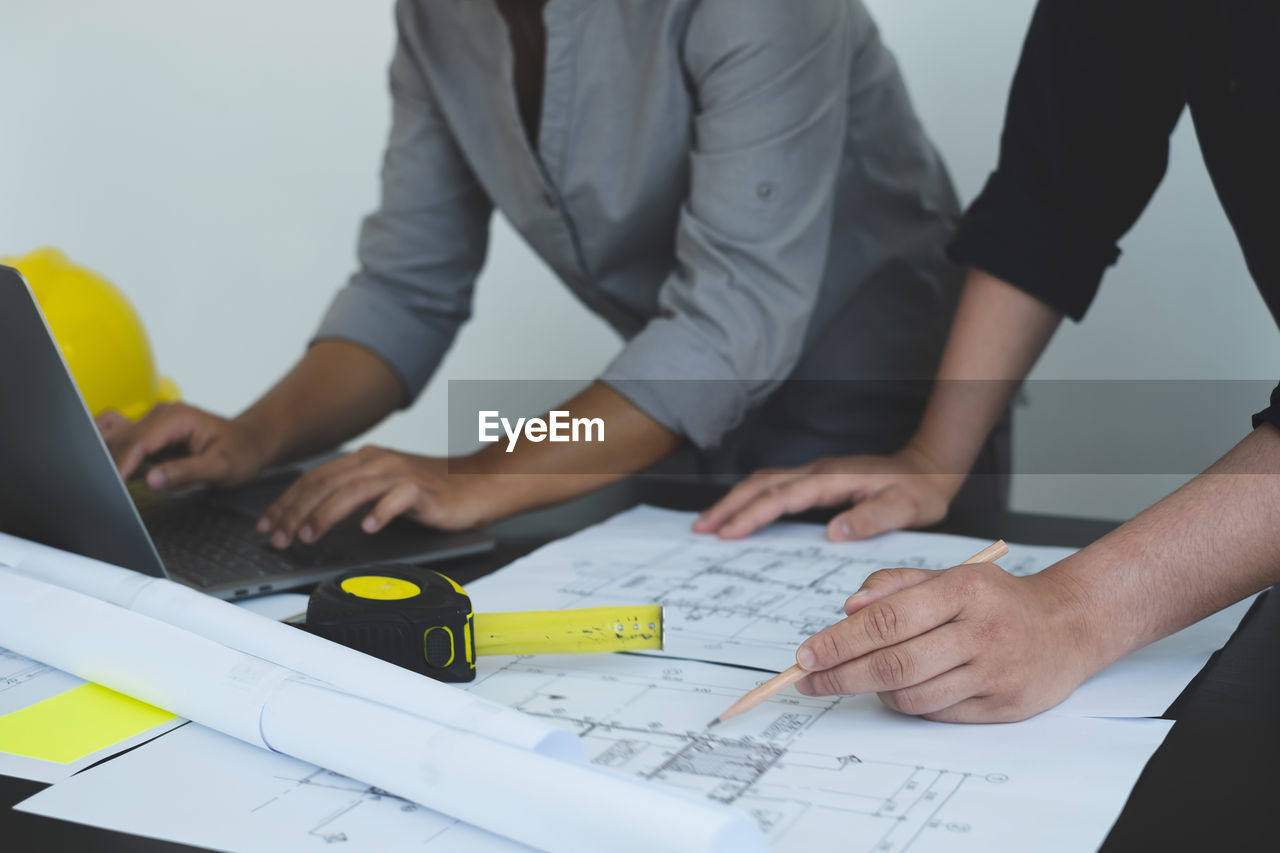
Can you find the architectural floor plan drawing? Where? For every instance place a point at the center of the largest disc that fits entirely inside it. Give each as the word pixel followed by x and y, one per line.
pixel 807 771
pixel 648 716
pixel 811 773
pixel 346 814
pixel 753 601
pixel 749 602
pixel 197 786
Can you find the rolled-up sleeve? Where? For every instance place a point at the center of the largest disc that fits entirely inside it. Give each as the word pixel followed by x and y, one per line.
pixel 421 250
pixel 1085 145
pixel 770 84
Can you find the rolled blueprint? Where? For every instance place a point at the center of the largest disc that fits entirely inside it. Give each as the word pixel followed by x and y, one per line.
pixel 523 795
pixel 141 657
pixel 346 669
pixel 548 804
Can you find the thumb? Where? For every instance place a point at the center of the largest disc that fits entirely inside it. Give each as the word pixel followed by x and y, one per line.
pixel 890 509
pixel 882 584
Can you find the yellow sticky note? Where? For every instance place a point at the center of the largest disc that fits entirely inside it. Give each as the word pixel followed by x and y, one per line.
pixel 79 722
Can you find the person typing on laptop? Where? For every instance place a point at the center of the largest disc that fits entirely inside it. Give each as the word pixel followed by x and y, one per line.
pixel 741 189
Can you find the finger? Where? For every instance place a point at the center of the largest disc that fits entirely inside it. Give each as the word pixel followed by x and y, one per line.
pixel 895 668
pixel 996 707
pixel 289 511
pixel 890 509
pixel 791 497
pixel 739 496
pixel 160 429
pixel 341 504
pixel 111 422
pixel 983 709
pixel 396 502
pixel 893 619
pixel 882 583
pixel 944 694
pixel 309 490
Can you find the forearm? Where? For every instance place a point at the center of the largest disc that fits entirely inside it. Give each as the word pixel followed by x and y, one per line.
pixel 996 337
pixel 337 390
pixel 538 474
pixel 1207 545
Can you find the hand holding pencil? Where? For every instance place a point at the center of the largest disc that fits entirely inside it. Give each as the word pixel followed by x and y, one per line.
pixel 863 649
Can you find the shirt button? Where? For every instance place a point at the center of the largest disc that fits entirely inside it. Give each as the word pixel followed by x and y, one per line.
pixel 1233 85
pixel 764 192
pixel 549 200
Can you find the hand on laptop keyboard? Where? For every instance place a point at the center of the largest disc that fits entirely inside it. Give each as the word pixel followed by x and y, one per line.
pixel 183 445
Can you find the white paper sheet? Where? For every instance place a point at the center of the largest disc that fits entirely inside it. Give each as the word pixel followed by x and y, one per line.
pixel 806 770
pixel 196 786
pixel 521 794
pixel 811 770
pixel 23 683
pixel 348 670
pixel 751 602
pixel 518 794
pixel 813 774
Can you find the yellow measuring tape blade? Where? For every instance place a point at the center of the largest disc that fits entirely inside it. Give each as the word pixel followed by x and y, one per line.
pixel 556 632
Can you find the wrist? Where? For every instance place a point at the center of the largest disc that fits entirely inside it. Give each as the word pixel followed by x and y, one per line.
pixel 1085 627
pixel 922 458
pixel 489 495
pixel 264 440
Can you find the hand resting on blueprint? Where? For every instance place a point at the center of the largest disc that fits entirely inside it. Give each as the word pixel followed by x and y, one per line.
pixel 904 489
pixel 975 644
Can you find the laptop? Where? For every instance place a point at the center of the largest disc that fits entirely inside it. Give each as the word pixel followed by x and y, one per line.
pixel 59 486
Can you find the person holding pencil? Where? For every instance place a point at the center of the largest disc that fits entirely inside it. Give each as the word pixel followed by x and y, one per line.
pixel 1098 90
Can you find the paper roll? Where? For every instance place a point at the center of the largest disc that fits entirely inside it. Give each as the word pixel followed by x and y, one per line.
pixel 523 795
pixel 547 804
pixel 141 657
pixel 346 669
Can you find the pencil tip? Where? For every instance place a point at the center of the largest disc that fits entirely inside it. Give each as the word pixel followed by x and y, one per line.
pixel 713 723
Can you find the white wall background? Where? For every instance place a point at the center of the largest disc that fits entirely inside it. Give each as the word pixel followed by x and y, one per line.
pixel 214 160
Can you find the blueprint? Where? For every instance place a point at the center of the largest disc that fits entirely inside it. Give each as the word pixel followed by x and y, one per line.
pixel 750 602
pixel 549 802
pixel 806 771
pixel 200 787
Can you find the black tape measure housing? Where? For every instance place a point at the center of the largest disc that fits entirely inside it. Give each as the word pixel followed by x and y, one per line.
pixel 429 630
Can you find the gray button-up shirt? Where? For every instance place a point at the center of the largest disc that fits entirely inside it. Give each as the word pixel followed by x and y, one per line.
pixel 740 187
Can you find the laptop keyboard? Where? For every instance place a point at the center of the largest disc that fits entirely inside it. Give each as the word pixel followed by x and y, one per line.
pixel 209 547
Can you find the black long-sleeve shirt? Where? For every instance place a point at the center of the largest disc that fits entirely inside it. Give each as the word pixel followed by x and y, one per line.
pixel 1098 90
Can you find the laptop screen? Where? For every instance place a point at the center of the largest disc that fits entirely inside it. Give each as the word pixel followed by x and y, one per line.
pixel 58 483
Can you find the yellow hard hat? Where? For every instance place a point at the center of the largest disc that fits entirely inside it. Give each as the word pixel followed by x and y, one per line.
pixel 99 334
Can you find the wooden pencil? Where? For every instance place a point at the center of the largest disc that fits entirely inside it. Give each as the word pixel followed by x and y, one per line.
pixel 783 680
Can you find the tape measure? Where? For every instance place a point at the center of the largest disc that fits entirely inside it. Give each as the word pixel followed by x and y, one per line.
pixel 423 621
